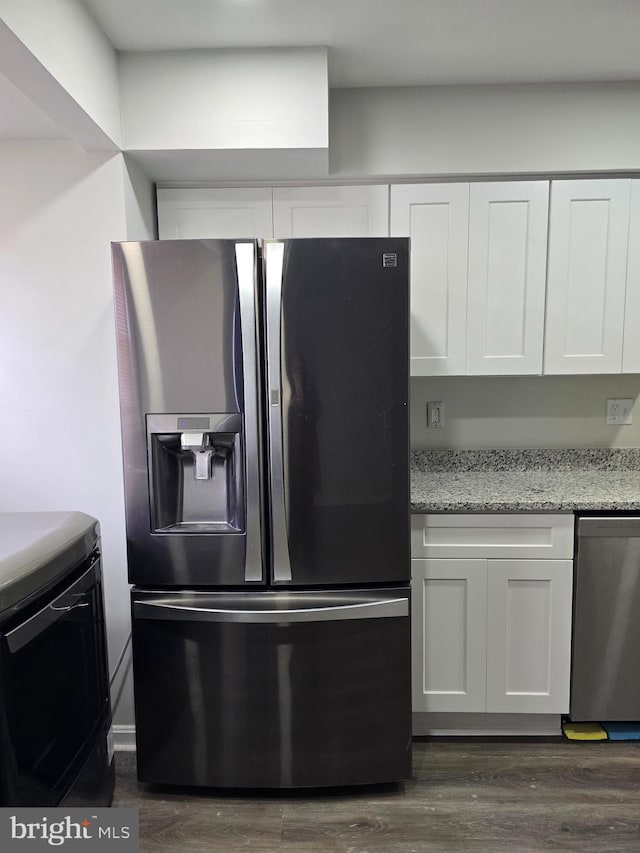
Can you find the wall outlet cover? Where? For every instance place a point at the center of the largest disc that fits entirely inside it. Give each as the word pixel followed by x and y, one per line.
pixel 619 411
pixel 435 415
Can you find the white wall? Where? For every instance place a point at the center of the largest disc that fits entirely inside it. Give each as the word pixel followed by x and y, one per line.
pixel 140 216
pixel 67 42
pixel 225 99
pixel 528 411
pixel 59 419
pixel 140 203
pixel 484 130
pixel 220 115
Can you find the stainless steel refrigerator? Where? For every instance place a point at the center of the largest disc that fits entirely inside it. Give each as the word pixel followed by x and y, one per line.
pixel 264 405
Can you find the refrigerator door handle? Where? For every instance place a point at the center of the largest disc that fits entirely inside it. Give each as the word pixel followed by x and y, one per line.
pixel 246 267
pixel 274 261
pixel 169 609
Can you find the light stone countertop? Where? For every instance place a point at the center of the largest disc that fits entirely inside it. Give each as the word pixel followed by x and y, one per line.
pixel 525 480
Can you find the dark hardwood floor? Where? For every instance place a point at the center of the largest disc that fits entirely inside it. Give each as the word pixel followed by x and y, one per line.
pixel 471 796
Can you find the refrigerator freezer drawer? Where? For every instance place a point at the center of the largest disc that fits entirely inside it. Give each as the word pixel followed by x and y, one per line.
pixel 304 690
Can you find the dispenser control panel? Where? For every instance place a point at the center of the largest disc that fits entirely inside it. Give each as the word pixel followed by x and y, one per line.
pixel 194 423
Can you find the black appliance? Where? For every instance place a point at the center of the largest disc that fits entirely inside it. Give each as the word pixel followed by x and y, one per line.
pixel 56 742
pixel 264 404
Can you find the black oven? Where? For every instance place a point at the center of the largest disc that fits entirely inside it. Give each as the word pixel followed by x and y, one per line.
pixel 55 716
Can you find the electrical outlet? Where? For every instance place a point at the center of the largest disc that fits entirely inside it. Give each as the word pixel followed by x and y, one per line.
pixel 435 415
pixel 619 411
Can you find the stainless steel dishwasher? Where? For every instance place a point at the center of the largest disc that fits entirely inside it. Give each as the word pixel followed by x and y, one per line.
pixel 605 673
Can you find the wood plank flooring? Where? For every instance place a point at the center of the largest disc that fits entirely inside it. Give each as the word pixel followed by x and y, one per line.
pixel 473 796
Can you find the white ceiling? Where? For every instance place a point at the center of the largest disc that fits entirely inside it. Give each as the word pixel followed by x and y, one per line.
pixel 402 42
pixel 379 42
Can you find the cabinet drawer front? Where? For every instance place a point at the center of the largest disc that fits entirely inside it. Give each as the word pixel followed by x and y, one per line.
pixel 507 536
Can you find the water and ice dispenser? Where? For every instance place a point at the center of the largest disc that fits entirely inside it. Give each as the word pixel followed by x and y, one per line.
pixel 195 473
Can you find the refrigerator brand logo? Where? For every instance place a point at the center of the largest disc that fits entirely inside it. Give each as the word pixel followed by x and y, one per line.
pixel 389 259
pixel 42 829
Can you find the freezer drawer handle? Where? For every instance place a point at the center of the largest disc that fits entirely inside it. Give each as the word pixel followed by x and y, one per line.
pixel 170 610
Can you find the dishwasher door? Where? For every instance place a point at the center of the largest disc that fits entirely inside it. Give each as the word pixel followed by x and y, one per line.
pixel 605 674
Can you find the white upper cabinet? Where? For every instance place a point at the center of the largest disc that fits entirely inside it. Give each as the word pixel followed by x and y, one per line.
pixel 587 272
pixel 507 276
pixel 331 211
pixel 631 347
pixel 436 218
pixel 488 295
pixel 478 264
pixel 220 213
pixel 227 213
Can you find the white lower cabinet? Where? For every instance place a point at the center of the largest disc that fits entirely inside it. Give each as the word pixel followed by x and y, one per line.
pixel 449 621
pixel 492 635
pixel 528 636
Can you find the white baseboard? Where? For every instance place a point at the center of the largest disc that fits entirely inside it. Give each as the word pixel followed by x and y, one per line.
pixel 124 738
pixel 478 725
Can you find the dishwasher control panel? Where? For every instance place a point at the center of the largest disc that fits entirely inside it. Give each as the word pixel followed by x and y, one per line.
pixel 612 525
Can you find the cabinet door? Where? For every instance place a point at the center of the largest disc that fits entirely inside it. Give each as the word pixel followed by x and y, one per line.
pixel 436 218
pixel 529 636
pixel 586 280
pixel 202 213
pixel 331 211
pixel 631 346
pixel 507 277
pixel 449 627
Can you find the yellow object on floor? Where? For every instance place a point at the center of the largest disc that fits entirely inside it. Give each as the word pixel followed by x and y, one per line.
pixel 583 731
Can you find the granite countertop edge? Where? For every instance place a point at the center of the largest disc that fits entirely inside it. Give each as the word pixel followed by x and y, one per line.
pixel 422 507
pixel 526 481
